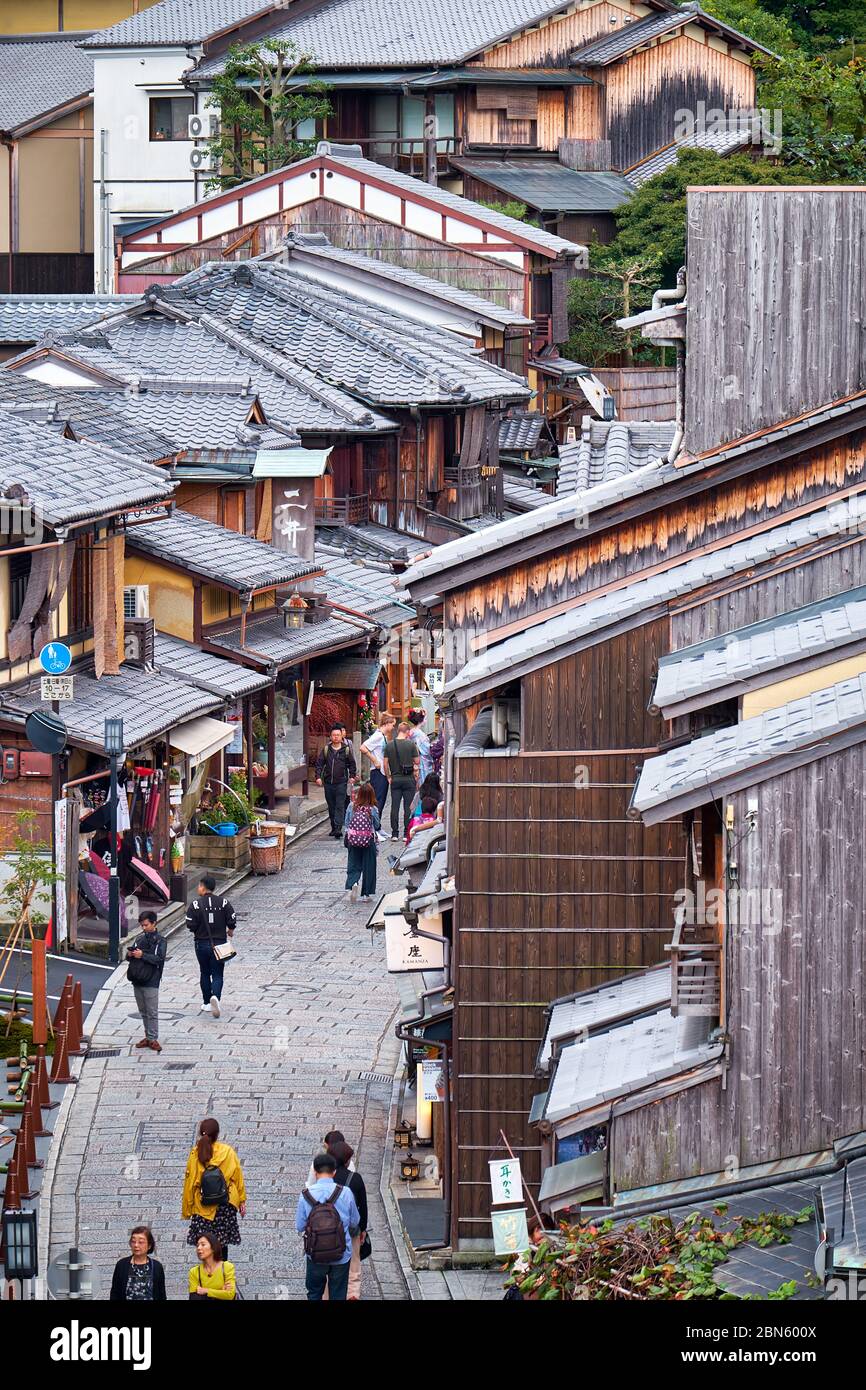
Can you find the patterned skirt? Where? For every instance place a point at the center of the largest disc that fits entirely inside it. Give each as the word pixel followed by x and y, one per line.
pixel 223 1229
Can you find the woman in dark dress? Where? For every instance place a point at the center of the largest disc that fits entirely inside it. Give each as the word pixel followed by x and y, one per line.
pixel 138 1278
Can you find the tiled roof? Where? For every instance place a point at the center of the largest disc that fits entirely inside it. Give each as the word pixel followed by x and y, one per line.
pixel 569 631
pixel 368 587
pixel 216 553
pixel 178 22
pixel 377 356
pixel 743 755
pixel 522 497
pixel 715 668
pixel 613 46
pixel 391 33
pixel 380 542
pixel 610 1065
pixel 610 449
pixel 38 75
pixel 268 640
pixel 315 246
pixel 719 142
pixel 204 670
pixel 149 703
pixel 520 430
pixel 71 482
pixel 596 1008
pixel 25 318
pixel 547 185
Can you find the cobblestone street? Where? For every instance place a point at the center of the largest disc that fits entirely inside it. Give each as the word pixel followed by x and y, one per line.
pixel 305 1044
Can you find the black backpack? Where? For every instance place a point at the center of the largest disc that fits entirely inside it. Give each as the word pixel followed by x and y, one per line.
pixel 324 1236
pixel 212 1188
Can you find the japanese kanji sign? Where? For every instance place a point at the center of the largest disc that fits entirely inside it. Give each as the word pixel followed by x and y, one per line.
pixel 505 1180
pixel 510 1232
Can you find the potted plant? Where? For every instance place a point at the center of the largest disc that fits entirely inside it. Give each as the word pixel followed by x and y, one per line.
pixel 219 846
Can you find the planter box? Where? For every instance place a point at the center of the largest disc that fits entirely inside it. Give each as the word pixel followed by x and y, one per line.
pixel 219 851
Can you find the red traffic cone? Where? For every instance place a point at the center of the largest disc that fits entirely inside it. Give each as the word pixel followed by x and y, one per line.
pixel 35 1111
pixel 73 1031
pixel 28 1139
pixel 19 1158
pixel 45 1101
pixel 65 996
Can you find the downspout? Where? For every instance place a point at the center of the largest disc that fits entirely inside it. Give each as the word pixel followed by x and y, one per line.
pixel 10 146
pixel 416 416
pixel 666 297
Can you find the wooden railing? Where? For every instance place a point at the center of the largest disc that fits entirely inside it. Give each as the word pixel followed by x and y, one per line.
pixel 407 155
pixel 696 985
pixel 470 491
pixel 343 511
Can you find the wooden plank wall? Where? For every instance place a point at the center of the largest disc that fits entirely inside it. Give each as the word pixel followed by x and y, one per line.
pixel 642 393
pixel 559 891
pixel 645 92
pixel 549 44
pixel 797 1077
pixel 776 306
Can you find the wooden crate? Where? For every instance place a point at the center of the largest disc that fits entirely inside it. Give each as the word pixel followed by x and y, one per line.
pixel 220 851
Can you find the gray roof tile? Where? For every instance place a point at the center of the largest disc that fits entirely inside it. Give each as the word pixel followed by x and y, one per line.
pixel 506 659
pixel 520 430
pixel 367 587
pixel 175 22
pixel 610 449
pixel 191 665
pixel 60 476
pixel 149 703
pixel 216 553
pixel 548 186
pixel 38 75
pixel 268 637
pixel 712 668
pixel 746 750
pixel 596 1008
pixel 719 142
pixel 613 46
pixel 25 318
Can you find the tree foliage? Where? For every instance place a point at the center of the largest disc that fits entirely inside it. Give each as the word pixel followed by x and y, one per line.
pixel 620 283
pixel 260 110
pixel 644 1261
pixel 32 875
pixel 751 17
pixel 823 107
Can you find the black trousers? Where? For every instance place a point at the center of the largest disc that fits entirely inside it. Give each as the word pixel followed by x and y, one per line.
pixel 335 795
pixel 402 794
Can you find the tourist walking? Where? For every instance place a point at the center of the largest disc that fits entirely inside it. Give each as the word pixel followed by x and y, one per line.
pixel 402 761
pixel 327 1217
pixel 348 1176
pixel 361 837
pixel 335 771
pixel 213 1191
pixel 419 737
pixel 138 1277
pixel 374 748
pixel 212 921
pixel 213 1276
pixel 146 958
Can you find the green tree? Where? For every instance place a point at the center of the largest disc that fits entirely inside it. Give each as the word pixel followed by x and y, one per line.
pixel 260 110
pixel 823 107
pixel 756 20
pixel 836 28
pixel 618 285
pixel 31 877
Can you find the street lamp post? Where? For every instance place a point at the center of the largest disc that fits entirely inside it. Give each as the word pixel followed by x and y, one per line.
pixel 113 740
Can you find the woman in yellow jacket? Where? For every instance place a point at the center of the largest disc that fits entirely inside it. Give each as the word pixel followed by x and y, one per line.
pixel 211 1277
pixel 218 1222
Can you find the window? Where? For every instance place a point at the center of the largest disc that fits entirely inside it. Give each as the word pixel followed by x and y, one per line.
pixel 19 574
pixel 168 117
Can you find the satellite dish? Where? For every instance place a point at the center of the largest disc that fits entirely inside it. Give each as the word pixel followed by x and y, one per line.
pixel 46 731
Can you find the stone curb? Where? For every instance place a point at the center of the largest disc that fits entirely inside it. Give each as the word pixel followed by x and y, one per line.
pixel 386 1192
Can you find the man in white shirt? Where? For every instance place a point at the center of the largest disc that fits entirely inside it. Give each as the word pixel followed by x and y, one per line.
pixel 374 749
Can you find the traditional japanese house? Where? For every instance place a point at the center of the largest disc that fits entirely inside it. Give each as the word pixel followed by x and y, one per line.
pixel 557 623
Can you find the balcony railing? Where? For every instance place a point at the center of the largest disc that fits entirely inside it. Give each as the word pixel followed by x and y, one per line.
pixel 407 155
pixel 342 511
pixel 696 986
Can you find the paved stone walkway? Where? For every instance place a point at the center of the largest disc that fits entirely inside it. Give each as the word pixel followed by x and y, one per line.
pixel 305 1044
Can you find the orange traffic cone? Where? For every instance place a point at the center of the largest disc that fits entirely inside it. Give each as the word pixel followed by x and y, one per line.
pixel 73 1031
pixel 35 1110
pixel 65 996
pixel 79 1010
pixel 19 1158
pixel 45 1101
pixel 28 1139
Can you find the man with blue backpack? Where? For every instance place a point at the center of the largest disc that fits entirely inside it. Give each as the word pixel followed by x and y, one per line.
pixel 327 1218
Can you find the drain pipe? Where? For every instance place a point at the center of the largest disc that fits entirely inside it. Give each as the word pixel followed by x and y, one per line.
pixel 666 297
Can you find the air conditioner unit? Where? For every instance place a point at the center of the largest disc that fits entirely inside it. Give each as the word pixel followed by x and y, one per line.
pixel 136 601
pixel 203 125
pixel 505 722
pixel 202 160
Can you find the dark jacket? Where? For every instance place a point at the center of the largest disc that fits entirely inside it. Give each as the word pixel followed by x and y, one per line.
pixel 346 1177
pixel 121 1274
pixel 210 918
pixel 336 765
pixel 153 948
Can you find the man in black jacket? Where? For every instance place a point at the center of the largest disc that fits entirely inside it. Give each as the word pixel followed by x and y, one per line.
pixel 212 922
pixel 146 958
pixel 335 770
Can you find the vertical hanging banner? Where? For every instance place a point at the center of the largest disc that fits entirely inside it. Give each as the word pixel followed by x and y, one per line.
pixel 506 1180
pixel 510 1231
pixel 61 924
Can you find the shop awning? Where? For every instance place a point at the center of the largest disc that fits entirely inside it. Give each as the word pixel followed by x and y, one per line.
pixel 201 738
pixel 389 902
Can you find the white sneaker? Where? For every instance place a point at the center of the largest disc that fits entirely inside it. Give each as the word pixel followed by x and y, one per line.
pixel 214 1006
pixel 353 894
pixel 205 1009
